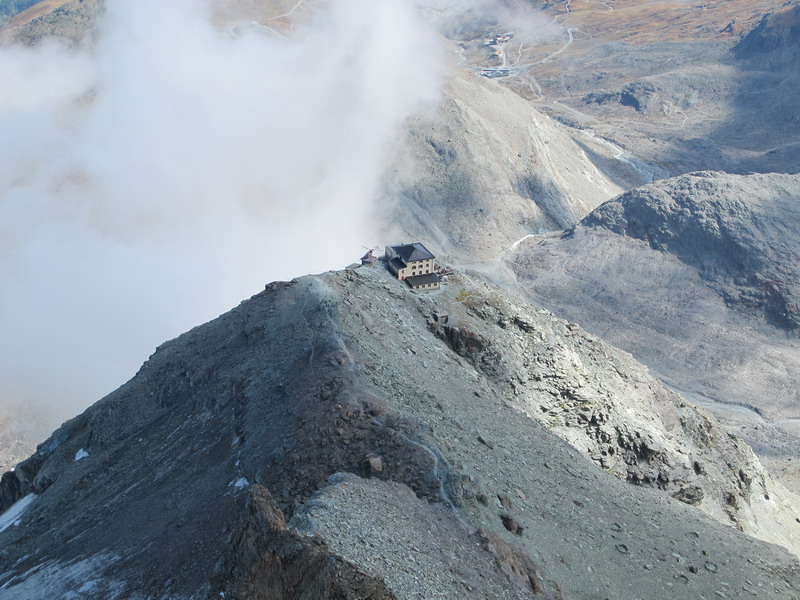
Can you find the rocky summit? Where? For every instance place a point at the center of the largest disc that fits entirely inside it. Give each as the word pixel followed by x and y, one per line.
pixel 342 436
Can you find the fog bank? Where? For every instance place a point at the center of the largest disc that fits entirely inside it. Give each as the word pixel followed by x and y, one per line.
pixel 152 180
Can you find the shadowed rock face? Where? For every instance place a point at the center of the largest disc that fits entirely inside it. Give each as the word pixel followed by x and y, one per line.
pixel 776 37
pixel 739 234
pixel 310 387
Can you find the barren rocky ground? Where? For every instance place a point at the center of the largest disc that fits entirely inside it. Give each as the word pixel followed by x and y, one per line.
pixel 156 488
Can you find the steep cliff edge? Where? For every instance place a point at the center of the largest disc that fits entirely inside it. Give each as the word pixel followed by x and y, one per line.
pixel 350 372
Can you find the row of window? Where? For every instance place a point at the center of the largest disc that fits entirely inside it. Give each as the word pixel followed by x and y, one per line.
pixel 422 267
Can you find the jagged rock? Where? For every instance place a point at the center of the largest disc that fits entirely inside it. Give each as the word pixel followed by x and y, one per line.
pixel 639 95
pixel 512 524
pixel 519 564
pixel 374 465
pixel 690 495
pixel 265 561
pixel 505 502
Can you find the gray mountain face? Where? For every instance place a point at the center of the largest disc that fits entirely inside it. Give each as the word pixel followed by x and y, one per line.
pixel 442 409
pixel 698 277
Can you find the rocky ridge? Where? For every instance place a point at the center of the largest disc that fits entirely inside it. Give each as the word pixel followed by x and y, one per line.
pixel 498 376
pixel 351 372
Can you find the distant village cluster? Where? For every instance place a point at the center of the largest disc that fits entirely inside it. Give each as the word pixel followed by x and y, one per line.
pixel 412 263
pixel 494 43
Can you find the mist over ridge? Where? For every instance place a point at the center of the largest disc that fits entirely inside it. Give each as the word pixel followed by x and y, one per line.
pixel 153 177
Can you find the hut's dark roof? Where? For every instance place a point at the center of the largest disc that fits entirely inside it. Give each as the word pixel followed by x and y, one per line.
pixel 417 280
pixel 413 252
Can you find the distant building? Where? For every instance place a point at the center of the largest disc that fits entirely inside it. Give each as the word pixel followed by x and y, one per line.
pixel 368 258
pixel 495 73
pixel 414 264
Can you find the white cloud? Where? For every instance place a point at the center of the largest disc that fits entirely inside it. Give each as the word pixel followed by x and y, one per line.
pixel 151 181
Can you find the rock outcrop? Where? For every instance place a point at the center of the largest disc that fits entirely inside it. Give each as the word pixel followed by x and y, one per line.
pixel 266 561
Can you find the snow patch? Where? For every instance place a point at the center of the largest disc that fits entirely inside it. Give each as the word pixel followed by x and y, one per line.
pixel 75 580
pixel 240 483
pixel 81 454
pixel 12 515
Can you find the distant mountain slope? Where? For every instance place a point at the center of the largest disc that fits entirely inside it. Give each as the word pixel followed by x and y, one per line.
pixel 776 37
pixel 671 82
pixel 158 489
pixel 739 233
pixel 699 277
pixel 488 169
